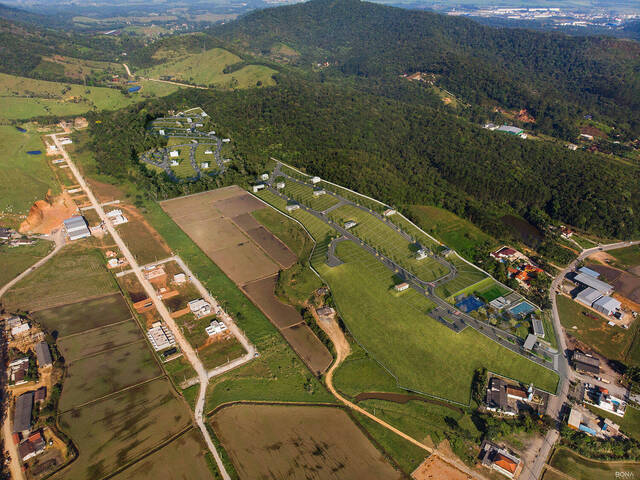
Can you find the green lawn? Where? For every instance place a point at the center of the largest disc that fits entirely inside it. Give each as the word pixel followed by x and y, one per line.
pixel 24 98
pixel 388 241
pixel 16 260
pixel 206 69
pixel 612 342
pixel 72 275
pixel 580 468
pixel 304 194
pixel 17 168
pixel 457 233
pixel 584 242
pixel 423 354
pixel 467 276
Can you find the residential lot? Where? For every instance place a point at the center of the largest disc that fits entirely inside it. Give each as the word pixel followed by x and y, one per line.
pixel 111 432
pixel 210 220
pixel 420 352
pixel 279 442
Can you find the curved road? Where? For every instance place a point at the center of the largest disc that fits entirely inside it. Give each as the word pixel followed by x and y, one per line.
pixel 189 353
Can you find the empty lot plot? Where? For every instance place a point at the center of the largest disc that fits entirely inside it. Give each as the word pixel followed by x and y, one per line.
pixel 17 260
pixel 85 315
pixel 144 242
pixel 182 205
pixel 111 432
pixel 261 293
pixel 73 274
pixel 214 233
pixel 581 468
pixel 422 354
pixel 84 344
pixel 274 247
pixel 304 194
pixel 308 347
pixel 185 457
pixel 93 377
pixel 290 442
pixel 388 241
pixel 238 204
pixel 244 263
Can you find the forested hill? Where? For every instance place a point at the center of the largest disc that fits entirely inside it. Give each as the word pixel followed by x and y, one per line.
pixel 556 77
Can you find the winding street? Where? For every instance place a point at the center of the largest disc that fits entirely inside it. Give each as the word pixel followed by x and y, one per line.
pixel 189 353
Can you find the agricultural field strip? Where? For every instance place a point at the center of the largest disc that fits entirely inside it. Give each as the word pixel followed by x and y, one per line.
pixel 497 335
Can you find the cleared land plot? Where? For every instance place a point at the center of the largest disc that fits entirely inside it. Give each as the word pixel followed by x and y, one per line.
pixel 16 260
pixel 592 330
pixel 424 355
pixel 457 233
pixel 207 68
pixel 289 232
pixel 95 341
pixel 221 351
pixel 307 345
pixel 73 274
pixel 185 457
pixel 214 233
pixel 294 442
pixel 261 293
pixel 627 257
pixel 389 242
pixel 142 242
pixel 80 316
pixel 274 247
pixel 31 172
pixel 238 204
pixel 114 431
pixel 93 377
pixel 246 221
pixel 625 283
pixel 244 263
pixel 582 469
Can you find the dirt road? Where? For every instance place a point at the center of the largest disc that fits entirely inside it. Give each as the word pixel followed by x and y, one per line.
pixel 189 353
pixel 342 351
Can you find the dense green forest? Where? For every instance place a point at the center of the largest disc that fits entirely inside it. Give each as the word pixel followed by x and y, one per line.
pixel 397 151
pixel 556 77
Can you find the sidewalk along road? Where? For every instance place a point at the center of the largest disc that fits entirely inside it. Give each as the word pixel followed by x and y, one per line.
pixel 185 346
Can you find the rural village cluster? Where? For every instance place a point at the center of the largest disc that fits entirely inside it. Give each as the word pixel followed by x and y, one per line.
pixel 192 333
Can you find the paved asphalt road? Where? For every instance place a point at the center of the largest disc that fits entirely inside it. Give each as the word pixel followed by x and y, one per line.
pixel 189 353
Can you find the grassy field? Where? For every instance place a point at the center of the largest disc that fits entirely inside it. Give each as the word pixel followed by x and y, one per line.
pixel 72 275
pixel 627 257
pixel 185 457
pixel 114 431
pixel 387 325
pixel 31 172
pixel 582 469
pixel 388 241
pixel 142 242
pixel 206 68
pixel 96 376
pixel 88 343
pixel 16 260
pixel 291 442
pixel 72 318
pixel 612 342
pixel 24 98
pixel 583 241
pixel 467 276
pixel 457 233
